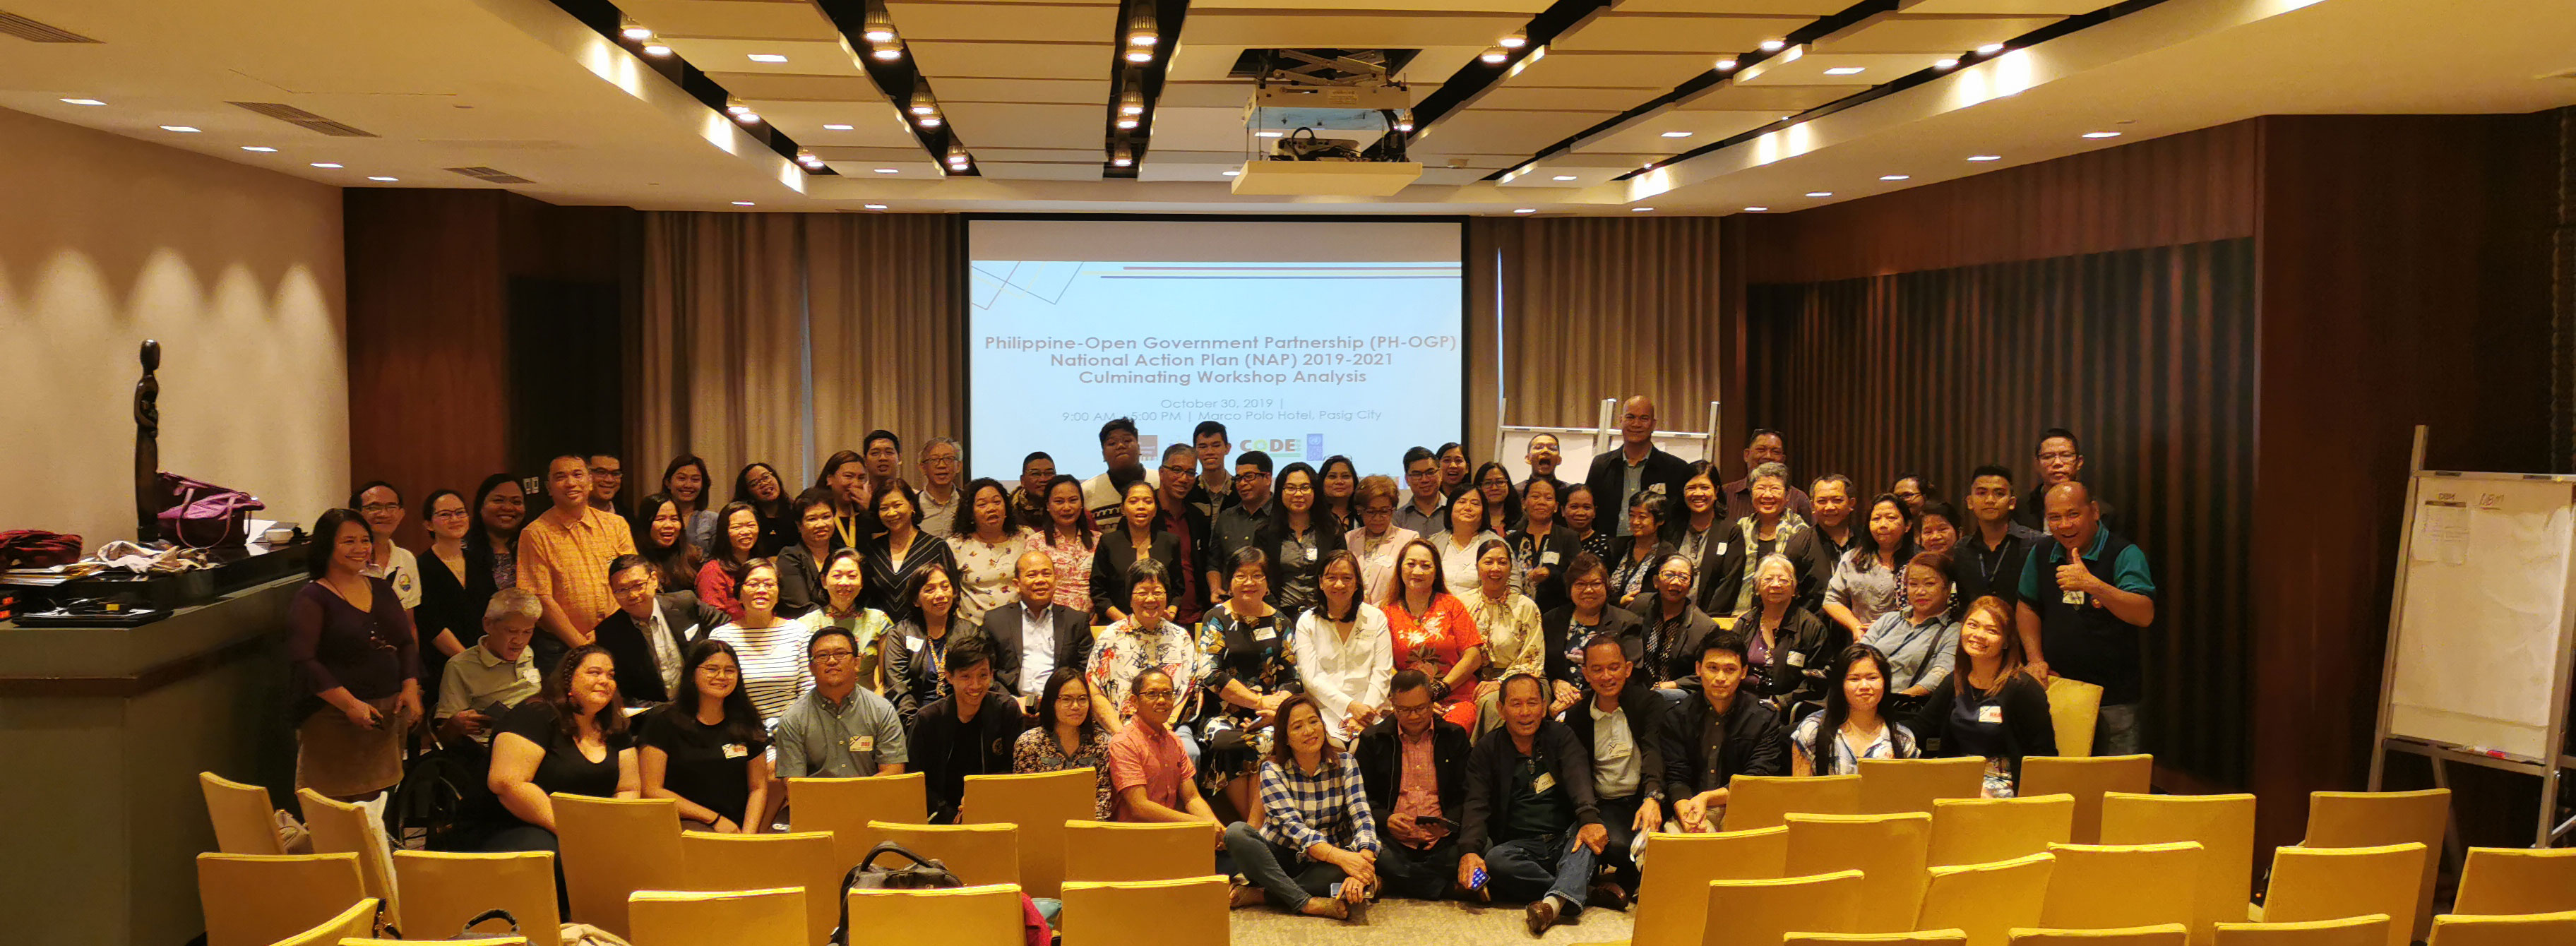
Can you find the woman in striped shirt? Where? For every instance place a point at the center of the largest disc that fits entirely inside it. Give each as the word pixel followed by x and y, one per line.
pixel 771 649
pixel 1314 818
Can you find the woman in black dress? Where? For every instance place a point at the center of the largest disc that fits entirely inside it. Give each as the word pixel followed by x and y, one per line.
pixel 1252 668
pixel 707 748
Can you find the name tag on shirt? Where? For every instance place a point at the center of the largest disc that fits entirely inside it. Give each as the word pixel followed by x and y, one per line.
pixel 1548 557
pixel 914 643
pixel 2075 598
pixel 529 673
pixel 863 743
pixel 1990 714
pixel 1545 781
pixel 1797 659
pixel 1265 634
pixel 1305 553
pixel 1721 549
pixel 736 750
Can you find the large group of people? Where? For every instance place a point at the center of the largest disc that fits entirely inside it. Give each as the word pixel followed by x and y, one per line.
pixel 1468 688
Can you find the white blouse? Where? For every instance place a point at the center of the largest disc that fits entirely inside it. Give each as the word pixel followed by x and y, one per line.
pixel 1338 671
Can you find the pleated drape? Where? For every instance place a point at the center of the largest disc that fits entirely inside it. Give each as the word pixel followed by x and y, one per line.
pixel 1593 308
pixel 886 337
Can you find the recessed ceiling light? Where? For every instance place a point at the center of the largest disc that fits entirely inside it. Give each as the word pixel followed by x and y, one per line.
pixel 1677 134
pixel 2089 134
pixel 656 49
pixel 1126 121
pixel 889 170
pixel 1565 177
pixel 1990 49
pixel 747 117
pixel 1985 157
pixel 1820 193
pixel 1895 177
pixel 1640 210
pixel 888 53
pixel 1231 173
pixel 927 121
pixel 182 129
pixel 380 177
pixel 1945 64
pixel 766 57
pixel 742 203
pixel 1269 134
pixel 874 206
pixel 1494 55
pixel 83 102
pixel 1725 64
pixel 1140 54
pixel 263 149
pixel 328 164
pixel 1525 210
pixel 1846 70
pixel 837 127
pixel 1757 209
pixel 1772 45
pixel 1514 40
pixel 636 32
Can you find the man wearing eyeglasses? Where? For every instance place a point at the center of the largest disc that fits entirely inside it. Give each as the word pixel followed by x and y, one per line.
pixel 1149 770
pixel 1414 764
pixel 939 497
pixel 607 480
pixel 1637 465
pixel 1237 525
pixel 1183 517
pixel 838 729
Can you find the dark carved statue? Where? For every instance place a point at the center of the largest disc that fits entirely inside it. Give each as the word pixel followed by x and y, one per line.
pixel 147 445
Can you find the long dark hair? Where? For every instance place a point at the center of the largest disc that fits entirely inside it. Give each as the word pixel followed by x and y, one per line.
pixel 1092 728
pixel 326 539
pixel 556 692
pixel 1511 496
pixel 1394 594
pixel 1838 706
pixel 478 539
pixel 724 553
pixel 741 721
pixel 963 526
pixel 2008 663
pixel 1865 546
pixel 1046 502
pixel 1318 518
pixel 1324 502
pixel 706 480
pixel 1677 507
pixel 1359 585
pixel 1280 751
pixel 678 562
pixel 768 509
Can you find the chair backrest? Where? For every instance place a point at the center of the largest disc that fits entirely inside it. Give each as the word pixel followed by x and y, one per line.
pixel 1760 801
pixel 2224 827
pixel 611 848
pixel 486 941
pixel 2074 706
pixel 845 807
pixel 341 828
pixel 2110 886
pixel 1923 937
pixel 258 899
pixel 1987 901
pixel 2506 880
pixel 2371 930
pixel 730 917
pixel 1117 851
pixel 2161 934
pixel 1986 830
pixel 2086 778
pixel 1888 849
pixel 244 821
pixel 2370 819
pixel 441 890
pixel 1672 899
pixel 358 920
pixel 803 860
pixel 985 915
pixel 1124 913
pixel 1888 786
pixel 1762 912
pixel 1040 803
pixel 979 854
pixel 2330 883
pixel 2535 929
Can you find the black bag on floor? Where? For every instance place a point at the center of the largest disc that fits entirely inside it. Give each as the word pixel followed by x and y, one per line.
pixel 922 874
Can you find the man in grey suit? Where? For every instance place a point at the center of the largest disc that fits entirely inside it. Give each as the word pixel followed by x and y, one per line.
pixel 648 631
pixel 1034 636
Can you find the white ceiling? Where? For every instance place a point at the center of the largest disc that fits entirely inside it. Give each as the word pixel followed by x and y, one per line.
pixel 1025 84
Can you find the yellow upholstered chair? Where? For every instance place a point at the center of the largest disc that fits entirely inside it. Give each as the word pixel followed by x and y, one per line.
pixel 2331 883
pixel 1919 938
pixel 442 890
pixel 979 854
pixel 2371 819
pixel 1122 852
pixel 612 847
pixel 2110 886
pixel 1987 901
pixel 341 828
pixel 2223 825
pixel 2370 930
pixel 985 915
pixel 803 860
pixel 244 821
pixel 1759 801
pixel 1887 849
pixel 1040 803
pixel 358 920
pixel 485 941
pixel 727 917
pixel 2531 929
pixel 1986 830
pixel 2074 706
pixel 1672 899
pixel 2086 778
pixel 1762 912
pixel 1191 910
pixel 2507 880
pixel 1888 786
pixel 258 899
pixel 2162 934
pixel 845 807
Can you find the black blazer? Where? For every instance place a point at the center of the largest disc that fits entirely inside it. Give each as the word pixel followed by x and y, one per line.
pixel 1724 569
pixel 1113 552
pixel 910 683
pixel 1489 780
pixel 1754 743
pixel 1646 710
pixel 1550 594
pixel 884 588
pixel 2028 728
pixel 637 680
pixel 1816 644
pixel 1380 754
pixel 1608 479
pixel 800 580
pixel 1003 626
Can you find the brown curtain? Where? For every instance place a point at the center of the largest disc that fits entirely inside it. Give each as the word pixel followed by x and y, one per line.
pixel 887 345
pixel 1592 308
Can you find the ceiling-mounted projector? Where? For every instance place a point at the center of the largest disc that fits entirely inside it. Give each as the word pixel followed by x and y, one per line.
pixel 1304 94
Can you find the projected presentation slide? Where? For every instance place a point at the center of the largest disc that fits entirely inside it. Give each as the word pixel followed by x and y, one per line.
pixel 1305 345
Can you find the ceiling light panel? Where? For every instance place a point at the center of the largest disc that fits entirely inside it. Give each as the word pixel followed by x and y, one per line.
pixel 1622 31
pixel 1775 99
pixel 1810 69
pixel 1496 131
pixel 811 58
pixel 1025 22
pixel 1027 126
pixel 2008 7
pixel 1035 171
pixel 1647 137
pixel 940 59
pixel 872 122
pixel 919 168
pixel 1947 35
pixel 1040 91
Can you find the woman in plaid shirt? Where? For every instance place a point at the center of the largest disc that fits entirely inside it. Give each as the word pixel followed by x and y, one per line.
pixel 1315 818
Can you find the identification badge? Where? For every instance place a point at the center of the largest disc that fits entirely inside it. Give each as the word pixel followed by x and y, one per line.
pixel 1797 659
pixel 1721 549
pixel 1265 633
pixel 1548 557
pixel 736 750
pixel 1990 714
pixel 2075 598
pixel 529 673
pixel 914 643
pixel 1544 782
pixel 863 743
pixel 1306 553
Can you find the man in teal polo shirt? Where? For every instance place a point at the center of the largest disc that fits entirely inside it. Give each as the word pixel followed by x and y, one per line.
pixel 2080 614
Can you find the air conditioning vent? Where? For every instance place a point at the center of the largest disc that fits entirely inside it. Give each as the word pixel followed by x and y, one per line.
pixel 305 120
pixel 492 175
pixel 34 32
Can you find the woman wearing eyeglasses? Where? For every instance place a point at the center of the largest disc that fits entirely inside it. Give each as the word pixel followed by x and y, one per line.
pixel 453 592
pixel 770 649
pixel 707 749
pixel 1378 540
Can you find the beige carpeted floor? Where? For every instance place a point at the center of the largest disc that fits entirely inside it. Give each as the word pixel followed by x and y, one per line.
pixel 1417 923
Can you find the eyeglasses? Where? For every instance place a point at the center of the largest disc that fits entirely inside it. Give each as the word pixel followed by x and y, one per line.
pixel 1178 471
pixel 1250 475
pixel 937 461
pixel 834 657
pixel 604 471
pixel 1422 710
pixel 449 514
pixel 1299 488
pixel 381 507
pixel 719 670
pixel 1156 695
pixel 757 583
pixel 1377 510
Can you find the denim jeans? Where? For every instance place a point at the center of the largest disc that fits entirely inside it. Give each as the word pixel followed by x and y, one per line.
pixel 1619 815
pixel 1530 868
pixel 1417 873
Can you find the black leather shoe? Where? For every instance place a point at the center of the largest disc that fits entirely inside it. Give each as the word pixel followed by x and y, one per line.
pixel 1541 915
pixel 1606 894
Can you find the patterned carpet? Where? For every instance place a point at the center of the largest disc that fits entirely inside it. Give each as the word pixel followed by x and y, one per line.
pixel 1417 923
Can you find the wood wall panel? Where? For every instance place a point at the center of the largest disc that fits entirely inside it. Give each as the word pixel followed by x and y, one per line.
pixel 428 342
pixel 2148 354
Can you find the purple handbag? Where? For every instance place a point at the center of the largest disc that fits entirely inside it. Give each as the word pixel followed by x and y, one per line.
pixel 201 515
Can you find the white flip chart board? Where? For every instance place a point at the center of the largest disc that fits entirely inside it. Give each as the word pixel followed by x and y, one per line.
pixel 2483 613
